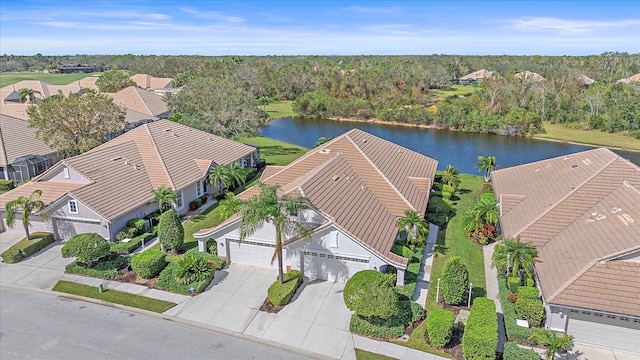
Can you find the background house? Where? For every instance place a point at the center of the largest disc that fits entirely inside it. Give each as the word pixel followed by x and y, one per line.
pixel 100 190
pixel 582 212
pixel 359 186
pixel 475 77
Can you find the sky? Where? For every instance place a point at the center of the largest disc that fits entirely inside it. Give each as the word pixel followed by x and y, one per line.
pixel 319 27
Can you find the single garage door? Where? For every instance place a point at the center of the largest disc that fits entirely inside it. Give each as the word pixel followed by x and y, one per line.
pixel 251 253
pixel 323 266
pixel 68 228
pixel 605 330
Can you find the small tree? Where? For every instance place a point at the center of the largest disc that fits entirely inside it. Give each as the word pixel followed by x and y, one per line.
pixel 25 94
pixel 553 342
pixel 26 205
pixel 370 293
pixel 163 195
pixel 86 248
pixel 322 140
pixel 455 281
pixel 229 206
pixel 486 164
pixel 451 176
pixel 114 81
pixel 414 226
pixel 220 178
pixel 170 231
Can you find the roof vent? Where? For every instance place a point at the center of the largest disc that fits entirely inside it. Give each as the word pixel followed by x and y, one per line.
pixel 126 162
pixel 363 187
pixel 601 217
pixel 116 158
pixel 325 151
pixel 364 141
pixel 574 166
pixel 615 210
pixel 167 129
pixel 549 165
pixel 335 178
pixel 135 167
pixel 174 134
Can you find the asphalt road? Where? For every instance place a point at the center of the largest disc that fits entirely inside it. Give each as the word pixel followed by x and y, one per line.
pixel 37 325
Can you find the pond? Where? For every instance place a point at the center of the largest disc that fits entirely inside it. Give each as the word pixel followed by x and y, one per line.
pixel 448 147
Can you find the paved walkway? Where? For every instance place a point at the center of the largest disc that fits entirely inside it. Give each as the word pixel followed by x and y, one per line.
pixel 422 283
pixel 491 276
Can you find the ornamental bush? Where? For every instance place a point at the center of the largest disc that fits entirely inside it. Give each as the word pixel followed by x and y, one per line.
pixel 480 338
pixel 6 185
pixel 531 310
pixel 148 264
pixel 87 248
pixel 512 351
pixel 440 327
pixel 170 231
pixel 191 268
pixel 514 332
pixel 387 328
pixel 513 283
pixel 281 294
pixel 25 248
pixel 370 294
pixel 528 292
pixel 455 281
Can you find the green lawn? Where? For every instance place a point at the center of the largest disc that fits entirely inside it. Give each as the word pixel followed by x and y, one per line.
pixel 274 152
pixel 452 241
pixel 456 90
pixel 280 109
pixel 53 79
pixel 592 137
pixel 113 296
pixel 365 355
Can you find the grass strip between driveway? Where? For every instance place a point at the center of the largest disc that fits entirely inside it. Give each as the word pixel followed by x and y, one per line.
pixel 114 296
pixel 365 355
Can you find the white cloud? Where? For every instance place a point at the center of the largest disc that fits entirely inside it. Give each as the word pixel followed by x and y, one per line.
pixel 212 15
pixel 373 9
pixel 565 26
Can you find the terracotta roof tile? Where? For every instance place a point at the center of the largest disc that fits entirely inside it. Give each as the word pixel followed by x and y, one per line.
pixel 149 82
pixel 142 101
pixel 17 139
pixel 51 191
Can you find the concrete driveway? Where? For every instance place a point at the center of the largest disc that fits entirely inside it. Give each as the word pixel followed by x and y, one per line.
pixel 41 271
pixel 316 320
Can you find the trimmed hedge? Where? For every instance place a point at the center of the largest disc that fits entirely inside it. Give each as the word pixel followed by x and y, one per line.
pixel 480 338
pixel 370 293
pixel 531 310
pixel 6 185
pixel 403 251
pixel 387 328
pixel 440 327
pixel 25 248
pixel 528 292
pixel 105 269
pixel 88 248
pixel 512 351
pixel 515 333
pixel 455 281
pixel 131 246
pixel 281 294
pixel 148 264
pixel 170 231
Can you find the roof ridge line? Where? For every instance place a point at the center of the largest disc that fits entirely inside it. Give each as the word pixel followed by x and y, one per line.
pixel 155 147
pixel 616 255
pixel 135 88
pixel 562 199
pixel 381 174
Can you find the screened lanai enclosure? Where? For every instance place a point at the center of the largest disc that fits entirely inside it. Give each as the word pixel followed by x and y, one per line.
pixel 25 167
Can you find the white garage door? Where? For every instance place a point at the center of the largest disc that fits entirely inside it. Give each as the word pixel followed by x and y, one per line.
pixel 605 330
pixel 68 228
pixel 251 253
pixel 323 266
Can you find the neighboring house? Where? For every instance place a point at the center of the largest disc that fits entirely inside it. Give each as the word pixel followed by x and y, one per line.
pixel 100 190
pixel 78 68
pixel 529 76
pixel 22 156
pixel 582 212
pixel 141 101
pixel 631 79
pixel 359 186
pixel 10 93
pixel 584 80
pixel 476 76
pixel 158 86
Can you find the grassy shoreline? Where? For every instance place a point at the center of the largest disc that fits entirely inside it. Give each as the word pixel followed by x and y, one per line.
pixel 560 133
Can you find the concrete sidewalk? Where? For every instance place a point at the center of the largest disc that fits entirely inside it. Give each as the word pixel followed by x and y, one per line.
pixel 424 276
pixel 491 278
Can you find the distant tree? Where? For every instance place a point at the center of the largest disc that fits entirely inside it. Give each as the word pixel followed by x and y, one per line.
pixel 414 226
pixel 27 94
pixel 163 195
pixel 26 206
pixel 321 141
pixel 86 248
pixel 486 164
pixel 77 123
pixel 170 231
pixel 114 81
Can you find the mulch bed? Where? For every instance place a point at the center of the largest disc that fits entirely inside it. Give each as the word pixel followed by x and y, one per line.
pixel 409 329
pixel 267 306
pixel 454 347
pixel 127 275
pixel 452 308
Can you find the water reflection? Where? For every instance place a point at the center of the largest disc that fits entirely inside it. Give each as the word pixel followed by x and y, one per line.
pixel 448 147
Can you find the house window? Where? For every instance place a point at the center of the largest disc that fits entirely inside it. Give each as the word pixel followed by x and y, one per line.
pixel 178 200
pixel 73 206
pixel 66 173
pixel 199 189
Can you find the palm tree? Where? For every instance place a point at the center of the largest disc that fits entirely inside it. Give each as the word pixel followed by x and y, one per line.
pixel 451 176
pixel 513 255
pixel 237 174
pixel 486 164
pixel 414 226
pixel 26 205
pixel 163 195
pixel 220 178
pixel 552 342
pixel 229 206
pixel 270 207
pixel 485 211
pixel 27 93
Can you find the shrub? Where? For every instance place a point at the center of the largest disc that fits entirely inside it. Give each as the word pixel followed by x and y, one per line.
pixel 131 246
pixel 528 292
pixel 512 351
pixel 455 281
pixel 487 187
pixel 6 185
pixel 440 327
pixel 148 264
pixel 107 268
pixel 25 248
pixel 530 281
pixel 170 231
pixel 212 246
pixel 480 338
pixel 191 268
pixel 281 294
pixel 487 196
pixel 531 310
pixel 87 248
pixel 403 251
pixel 167 281
pixel 437 219
pixel 370 293
pixel 513 297
pixel 139 225
pixel 514 332
pixel 387 328
pixel 211 259
pixel 514 283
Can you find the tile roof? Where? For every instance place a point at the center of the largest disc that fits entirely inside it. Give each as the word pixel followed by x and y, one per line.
pixel 124 170
pixel 141 101
pixel 150 82
pixel 480 74
pixel 17 139
pixel 528 75
pixel 630 79
pixel 16 110
pixel 580 210
pixel 51 191
pixel 362 183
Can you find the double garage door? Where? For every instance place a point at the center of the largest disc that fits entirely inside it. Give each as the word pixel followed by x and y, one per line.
pixel 68 228
pixel 324 266
pixel 251 253
pixel 605 330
